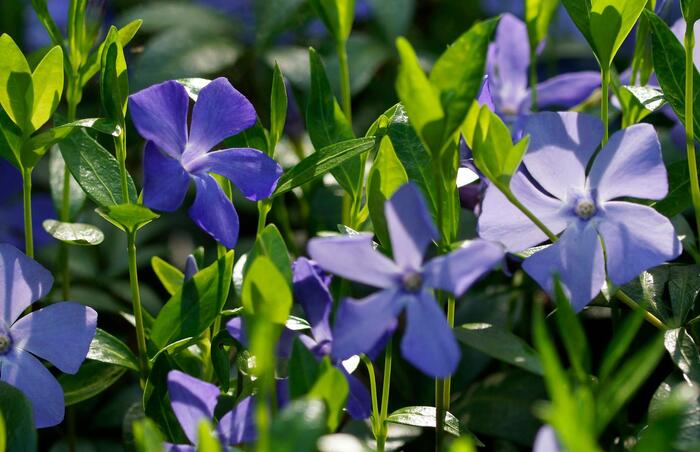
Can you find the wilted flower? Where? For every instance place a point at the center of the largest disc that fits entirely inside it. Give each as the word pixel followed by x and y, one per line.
pixel 175 156
pixel 60 333
pixel 554 185
pixel 428 342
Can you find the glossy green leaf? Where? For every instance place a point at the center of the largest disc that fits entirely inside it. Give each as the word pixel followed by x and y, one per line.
pixel 687 437
pixel 74 233
pixel 128 217
pixel 15 84
pixel 611 23
pixel 538 17
pixel 92 66
pixel 323 161
pixel 56 134
pixel 42 12
pixel 266 293
pixel 331 387
pixel 10 140
pixel 580 13
pixel 107 349
pixel 278 107
pixel 76 196
pixel 691 10
pixel 303 370
pixel 19 421
pixel 271 244
pixel 337 16
pixel 299 426
pixel 93 378
pixel 667 419
pixel 47 85
pixel 114 81
pixel 684 353
pixel 424 416
pixel 499 344
pixel 194 307
pixel 168 275
pixel 95 169
pixel 638 102
pixel 386 175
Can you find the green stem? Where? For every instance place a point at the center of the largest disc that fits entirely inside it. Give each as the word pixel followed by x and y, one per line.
pixel 690 122
pixel 439 415
pixel 648 316
pixel 533 78
pixel 386 385
pixel 120 144
pixel 346 96
pixel 373 392
pixel 264 208
pixel 605 101
pixel 27 204
pixel 511 197
pixel 446 394
pixel 136 301
pixel 64 250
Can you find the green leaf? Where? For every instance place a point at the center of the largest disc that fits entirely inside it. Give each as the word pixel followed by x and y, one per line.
pixel 278 107
pixel 193 86
pixel 327 125
pixel 678 198
pixel 107 349
pixel 638 102
pixel 580 13
pixel 266 293
pixel 10 140
pixel 208 442
pixel 15 84
pixel 298 427
pixel 424 416
pixel 499 344
pixel 323 161
pixel 147 436
pixel 667 419
pixel 194 307
pixel 684 353
pixel 42 11
pixel 92 378
pixel 168 275
pixel 271 244
pixel 686 438
pixel 95 169
pixel 420 98
pixel 56 134
pixel 337 16
pixel 459 73
pixel 386 175
pixel 19 421
pixel 691 11
pixel 303 370
pixel 538 17
pixel 94 61
pixel 620 344
pixel 47 84
pixel 332 388
pixel 128 217
pixel 114 81
pixel 57 171
pixel 3 433
pixel 572 334
pixel 74 233
pixel 611 21
pixel 221 358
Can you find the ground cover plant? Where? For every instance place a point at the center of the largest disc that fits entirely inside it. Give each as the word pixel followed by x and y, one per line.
pixel 349 225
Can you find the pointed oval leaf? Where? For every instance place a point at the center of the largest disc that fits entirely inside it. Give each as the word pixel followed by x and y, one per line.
pixel 74 233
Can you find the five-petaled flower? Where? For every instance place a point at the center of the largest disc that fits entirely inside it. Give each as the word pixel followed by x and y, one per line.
pixel 194 401
pixel 599 229
pixel 60 333
pixel 428 342
pixel 175 156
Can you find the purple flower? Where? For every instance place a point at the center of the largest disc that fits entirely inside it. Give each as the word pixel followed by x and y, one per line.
pixel 546 440
pixel 554 185
pixel 12 211
pixel 60 333
pixel 194 401
pixel 175 156
pixel 311 291
pixel 428 342
pixel 508 62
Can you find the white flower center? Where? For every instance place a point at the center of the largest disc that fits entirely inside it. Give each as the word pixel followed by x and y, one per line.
pixel 5 343
pixel 412 281
pixel 585 209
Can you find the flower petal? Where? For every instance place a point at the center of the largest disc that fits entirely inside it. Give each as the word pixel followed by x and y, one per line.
pixel 509 58
pixel 236 328
pixel 360 324
pixel 561 144
pixel 26 373
pixel 214 213
pixel 253 172
pixel 636 238
pixel 165 181
pixel 353 258
pixel 567 90
pixel 193 400
pixel 314 297
pixel 410 226
pixel 238 425
pixel 428 342
pixel 577 257
pixel 457 271
pixel 159 114
pixel 22 282
pixel 359 403
pixel 630 164
pixel 220 112
pixel 60 333
pixel 501 221
pixel 546 440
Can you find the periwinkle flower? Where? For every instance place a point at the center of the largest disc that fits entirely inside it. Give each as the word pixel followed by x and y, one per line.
pixel 586 206
pixel 405 283
pixel 60 333
pixel 175 156
pixel 546 440
pixel 507 68
pixel 311 291
pixel 194 401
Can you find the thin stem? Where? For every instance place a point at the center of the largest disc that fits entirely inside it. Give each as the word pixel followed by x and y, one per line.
pixel 533 78
pixel 373 392
pixel 388 355
pixel 648 316
pixel 346 96
pixel 439 414
pixel 120 144
pixel 64 250
pixel 690 121
pixel 27 203
pixel 604 102
pixel 508 194
pixel 447 390
pixel 264 208
pixel 136 301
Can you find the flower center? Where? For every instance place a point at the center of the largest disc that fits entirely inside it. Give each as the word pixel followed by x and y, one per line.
pixel 5 342
pixel 412 281
pixel 585 209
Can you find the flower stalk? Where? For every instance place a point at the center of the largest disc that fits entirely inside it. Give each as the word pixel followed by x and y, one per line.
pixel 689 40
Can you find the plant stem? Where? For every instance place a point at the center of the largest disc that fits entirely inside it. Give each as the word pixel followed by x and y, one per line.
pixel 27 204
pixel 439 414
pixel 264 208
pixel 690 121
pixel 605 101
pixel 64 250
pixel 446 394
pixel 533 78
pixel 120 144
pixel 373 392
pixel 386 385
pixel 511 197
pixel 648 316
pixel 345 92
pixel 136 301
